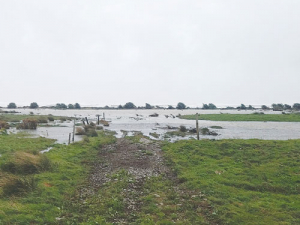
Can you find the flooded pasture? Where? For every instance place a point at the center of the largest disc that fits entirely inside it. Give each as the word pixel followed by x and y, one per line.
pixel 127 122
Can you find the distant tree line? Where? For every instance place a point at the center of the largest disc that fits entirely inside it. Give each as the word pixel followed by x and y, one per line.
pixel 209 106
pixel 180 105
pixel 70 106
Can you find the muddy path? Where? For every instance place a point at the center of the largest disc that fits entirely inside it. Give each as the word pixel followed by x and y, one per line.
pixel 141 160
pixel 149 177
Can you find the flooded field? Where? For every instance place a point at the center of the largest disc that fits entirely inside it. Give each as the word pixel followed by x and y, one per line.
pixel 126 122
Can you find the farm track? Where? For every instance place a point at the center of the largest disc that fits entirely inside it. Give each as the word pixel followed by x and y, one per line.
pixel 141 161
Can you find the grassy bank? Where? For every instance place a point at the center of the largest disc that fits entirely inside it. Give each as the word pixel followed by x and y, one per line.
pixel 19 117
pixel 45 197
pixel 205 182
pixel 293 117
pixel 245 181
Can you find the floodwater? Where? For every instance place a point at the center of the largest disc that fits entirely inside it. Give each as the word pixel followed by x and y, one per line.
pixel 139 120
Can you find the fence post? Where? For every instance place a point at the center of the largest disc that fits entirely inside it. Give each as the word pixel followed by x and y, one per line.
pixel 98 120
pixel 69 138
pixel 197 126
pixel 73 131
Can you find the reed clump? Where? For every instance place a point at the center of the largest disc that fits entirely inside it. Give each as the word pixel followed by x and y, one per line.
pixel 4 125
pixel 28 124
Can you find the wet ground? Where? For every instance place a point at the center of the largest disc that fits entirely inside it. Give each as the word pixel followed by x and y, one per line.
pixel 140 120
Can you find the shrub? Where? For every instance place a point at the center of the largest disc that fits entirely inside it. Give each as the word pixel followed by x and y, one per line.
pixel 42 119
pixel 63 119
pixel 80 131
pixel 4 125
pixel 51 118
pixel 204 131
pixel 90 131
pixel 182 128
pixel 99 128
pixel 104 123
pixel 28 124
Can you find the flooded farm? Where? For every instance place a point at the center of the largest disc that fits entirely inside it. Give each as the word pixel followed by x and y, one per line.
pixel 158 123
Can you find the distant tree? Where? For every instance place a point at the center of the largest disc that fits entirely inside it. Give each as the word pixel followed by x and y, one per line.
pixel 229 107
pixel 242 106
pixel 180 105
pixel 170 107
pixel 77 106
pixel 129 105
pixel 148 106
pixel 250 107
pixel 12 105
pixel 71 106
pixel 120 107
pixel 33 105
pixel 287 107
pixel 106 107
pixel 264 107
pixel 277 107
pixel 205 106
pixel 61 106
pixel 211 106
pixel 296 106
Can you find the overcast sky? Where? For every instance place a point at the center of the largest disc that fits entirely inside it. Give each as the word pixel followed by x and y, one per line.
pixel 97 52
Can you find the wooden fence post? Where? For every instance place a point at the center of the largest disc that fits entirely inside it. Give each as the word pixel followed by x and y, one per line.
pixel 69 138
pixel 73 131
pixel 87 122
pixel 98 120
pixel 197 126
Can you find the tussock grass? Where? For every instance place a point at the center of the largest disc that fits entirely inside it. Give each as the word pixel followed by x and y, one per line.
pixel 16 185
pixel 51 192
pixel 26 163
pixel 4 125
pixel 28 124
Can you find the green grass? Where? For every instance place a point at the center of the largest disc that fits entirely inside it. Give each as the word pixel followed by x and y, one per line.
pixel 52 196
pixel 245 181
pixel 22 142
pixel 214 182
pixel 18 117
pixel 293 117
